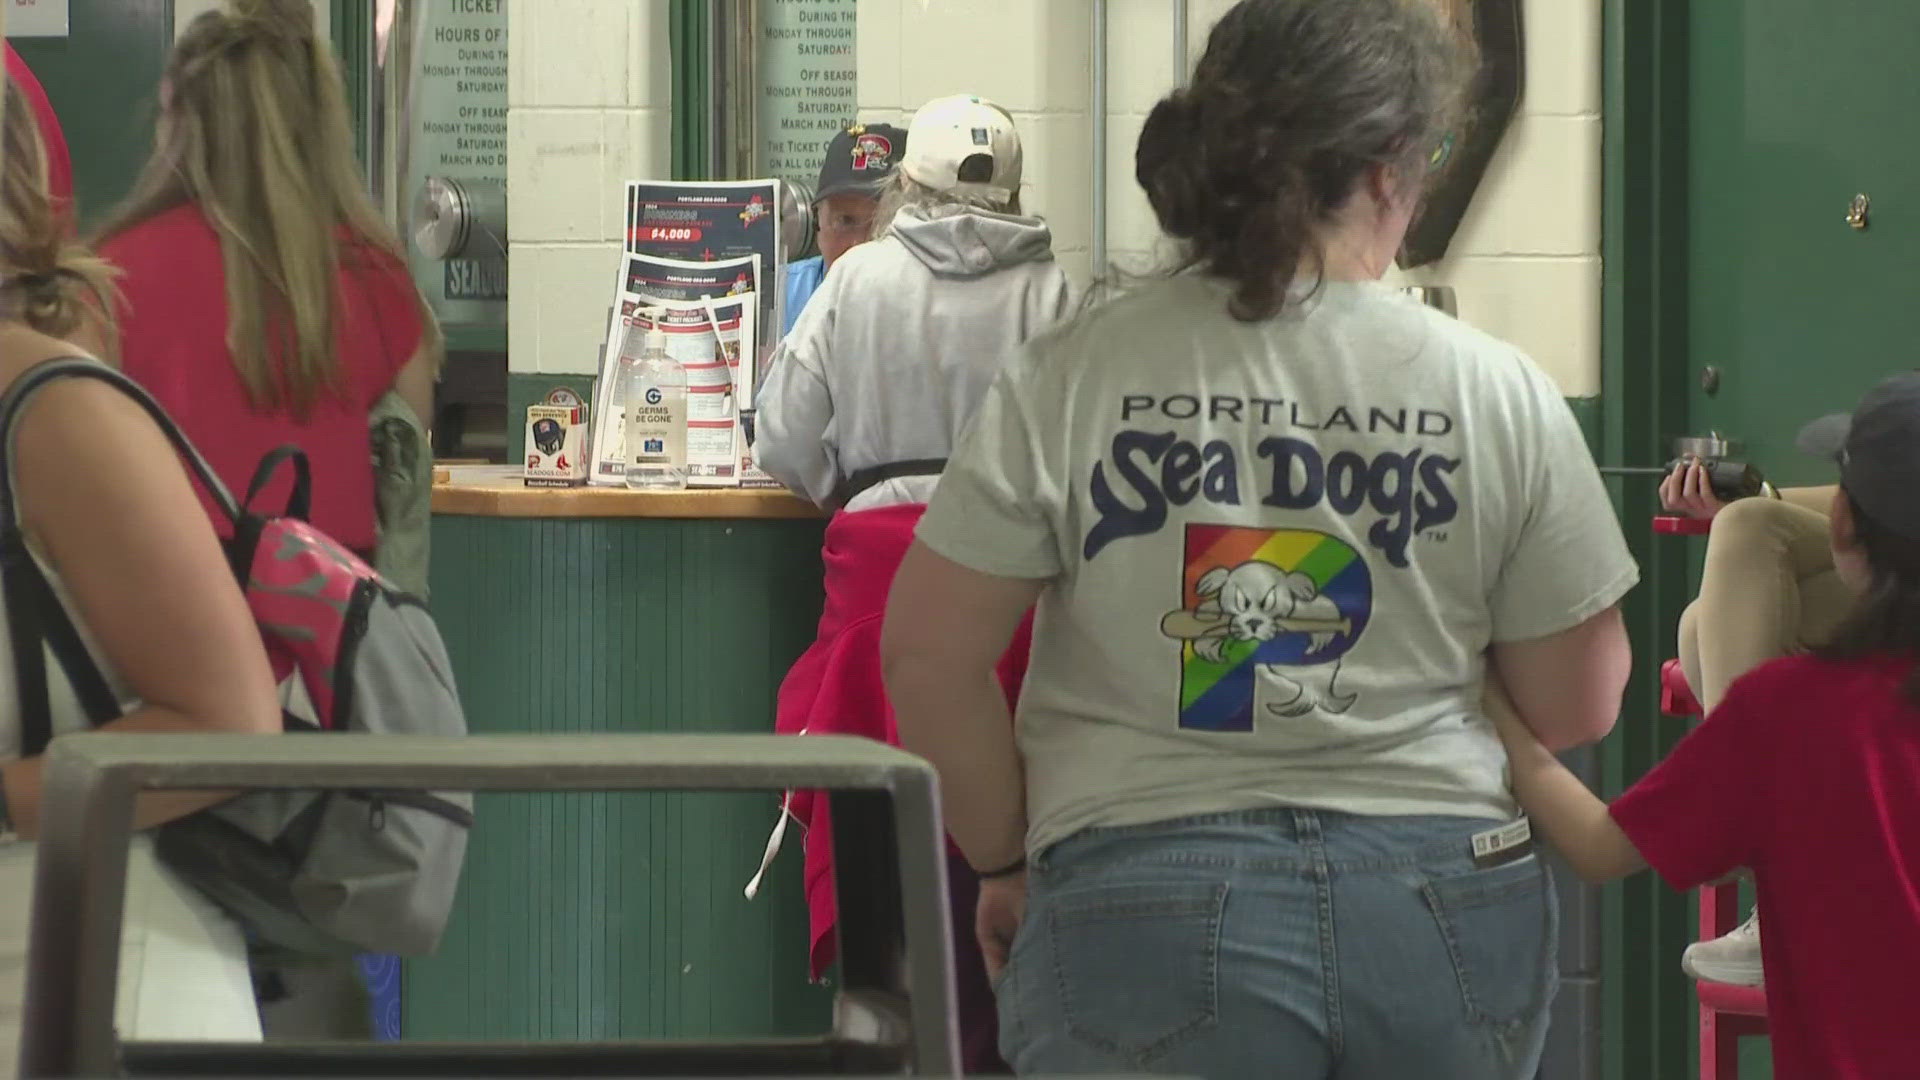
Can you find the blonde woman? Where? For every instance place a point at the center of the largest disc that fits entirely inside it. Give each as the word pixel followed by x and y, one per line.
pixel 157 601
pixel 265 301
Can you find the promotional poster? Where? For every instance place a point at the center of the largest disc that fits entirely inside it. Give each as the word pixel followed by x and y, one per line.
pixel 714 221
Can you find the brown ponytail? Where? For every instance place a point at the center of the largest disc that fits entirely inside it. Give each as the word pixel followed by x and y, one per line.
pixel 1294 101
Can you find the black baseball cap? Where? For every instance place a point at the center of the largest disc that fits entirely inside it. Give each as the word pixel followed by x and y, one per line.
pixel 860 159
pixel 1877 447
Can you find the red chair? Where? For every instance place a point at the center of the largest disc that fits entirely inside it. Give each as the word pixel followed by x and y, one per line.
pixel 1726 1012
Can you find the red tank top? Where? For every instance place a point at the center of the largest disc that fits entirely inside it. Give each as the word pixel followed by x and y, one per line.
pixel 173 327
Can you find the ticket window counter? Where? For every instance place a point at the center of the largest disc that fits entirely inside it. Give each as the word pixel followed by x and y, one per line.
pixel 591 610
pixel 620 916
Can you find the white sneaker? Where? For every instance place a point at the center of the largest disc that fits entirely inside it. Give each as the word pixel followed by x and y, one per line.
pixel 1733 959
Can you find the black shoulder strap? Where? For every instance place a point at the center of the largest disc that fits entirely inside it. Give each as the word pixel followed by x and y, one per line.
pixel 36 378
pixel 29 658
pixel 36 619
pixel 300 502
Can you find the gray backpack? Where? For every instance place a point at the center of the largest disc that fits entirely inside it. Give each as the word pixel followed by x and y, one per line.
pixel 310 873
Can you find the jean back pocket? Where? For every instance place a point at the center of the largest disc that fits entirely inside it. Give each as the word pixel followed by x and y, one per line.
pixel 1138 965
pixel 1500 929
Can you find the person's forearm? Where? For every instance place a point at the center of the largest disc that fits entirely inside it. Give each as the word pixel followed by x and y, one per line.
pixel 964 728
pixel 797 462
pixel 1573 818
pixel 24 779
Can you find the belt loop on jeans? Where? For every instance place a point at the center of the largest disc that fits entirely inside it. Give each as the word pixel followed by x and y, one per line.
pixel 1306 827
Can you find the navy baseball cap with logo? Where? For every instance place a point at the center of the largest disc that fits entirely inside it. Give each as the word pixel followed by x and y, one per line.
pixel 860 159
pixel 1877 447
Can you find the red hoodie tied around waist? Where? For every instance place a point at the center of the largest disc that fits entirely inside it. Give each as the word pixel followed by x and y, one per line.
pixel 835 687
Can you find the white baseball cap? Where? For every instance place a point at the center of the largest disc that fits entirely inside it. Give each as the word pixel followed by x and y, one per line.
pixel 964 144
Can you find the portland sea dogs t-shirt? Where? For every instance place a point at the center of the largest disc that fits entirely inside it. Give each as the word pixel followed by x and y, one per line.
pixel 1278 552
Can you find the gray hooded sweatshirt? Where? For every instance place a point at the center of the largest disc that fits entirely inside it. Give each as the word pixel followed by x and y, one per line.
pixel 895 351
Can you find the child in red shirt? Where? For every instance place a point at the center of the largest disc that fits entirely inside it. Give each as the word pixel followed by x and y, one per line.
pixel 1808 774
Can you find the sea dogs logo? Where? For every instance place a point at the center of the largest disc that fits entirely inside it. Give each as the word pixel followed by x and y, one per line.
pixel 756 209
pixel 1148 475
pixel 870 149
pixel 1268 615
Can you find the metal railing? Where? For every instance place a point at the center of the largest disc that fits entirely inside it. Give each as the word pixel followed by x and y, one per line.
pixel 895 1013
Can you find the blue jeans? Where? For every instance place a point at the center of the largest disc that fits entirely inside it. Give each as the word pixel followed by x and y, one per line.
pixel 1291 944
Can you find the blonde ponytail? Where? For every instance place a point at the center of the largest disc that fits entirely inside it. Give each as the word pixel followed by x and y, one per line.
pixel 48 280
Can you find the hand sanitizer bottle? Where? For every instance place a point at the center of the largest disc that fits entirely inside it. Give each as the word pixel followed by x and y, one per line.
pixel 656 418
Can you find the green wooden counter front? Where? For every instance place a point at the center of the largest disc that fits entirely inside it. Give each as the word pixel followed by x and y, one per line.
pixel 621 916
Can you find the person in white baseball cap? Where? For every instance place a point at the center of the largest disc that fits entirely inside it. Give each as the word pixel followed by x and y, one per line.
pixel 848 417
pixel 966 147
pixel 868 396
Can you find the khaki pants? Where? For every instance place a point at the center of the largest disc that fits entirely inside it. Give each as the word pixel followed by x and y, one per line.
pixel 1769 590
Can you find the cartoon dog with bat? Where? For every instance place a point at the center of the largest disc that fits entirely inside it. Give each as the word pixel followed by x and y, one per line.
pixel 1258 602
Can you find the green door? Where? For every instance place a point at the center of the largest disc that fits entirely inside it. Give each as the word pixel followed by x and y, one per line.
pixel 1796 108
pixel 103 81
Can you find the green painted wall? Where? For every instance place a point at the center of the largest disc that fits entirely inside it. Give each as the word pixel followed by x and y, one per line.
pixel 687 26
pixel 103 81
pixel 1592 420
pixel 1651 1019
pixel 609 916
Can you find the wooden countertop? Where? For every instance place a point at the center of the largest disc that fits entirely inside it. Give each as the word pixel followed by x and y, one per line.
pixel 487 492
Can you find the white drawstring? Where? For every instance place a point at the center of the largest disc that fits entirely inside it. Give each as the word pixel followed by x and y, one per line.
pixel 774 840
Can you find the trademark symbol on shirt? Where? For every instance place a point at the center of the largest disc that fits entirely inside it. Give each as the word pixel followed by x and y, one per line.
pixel 1438 536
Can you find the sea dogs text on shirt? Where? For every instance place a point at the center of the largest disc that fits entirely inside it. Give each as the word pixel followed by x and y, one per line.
pixel 1410 488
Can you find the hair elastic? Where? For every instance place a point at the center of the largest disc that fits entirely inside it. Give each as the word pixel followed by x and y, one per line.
pixel 1005 871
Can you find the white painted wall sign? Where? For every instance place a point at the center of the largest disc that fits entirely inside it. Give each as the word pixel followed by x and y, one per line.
pixel 36 18
pixel 808 79
pixel 459 131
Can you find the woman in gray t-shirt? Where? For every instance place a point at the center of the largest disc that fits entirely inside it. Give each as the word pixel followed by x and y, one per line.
pixel 1279 520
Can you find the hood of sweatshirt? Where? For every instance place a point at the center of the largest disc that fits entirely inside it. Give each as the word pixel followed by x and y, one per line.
pixel 965 243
